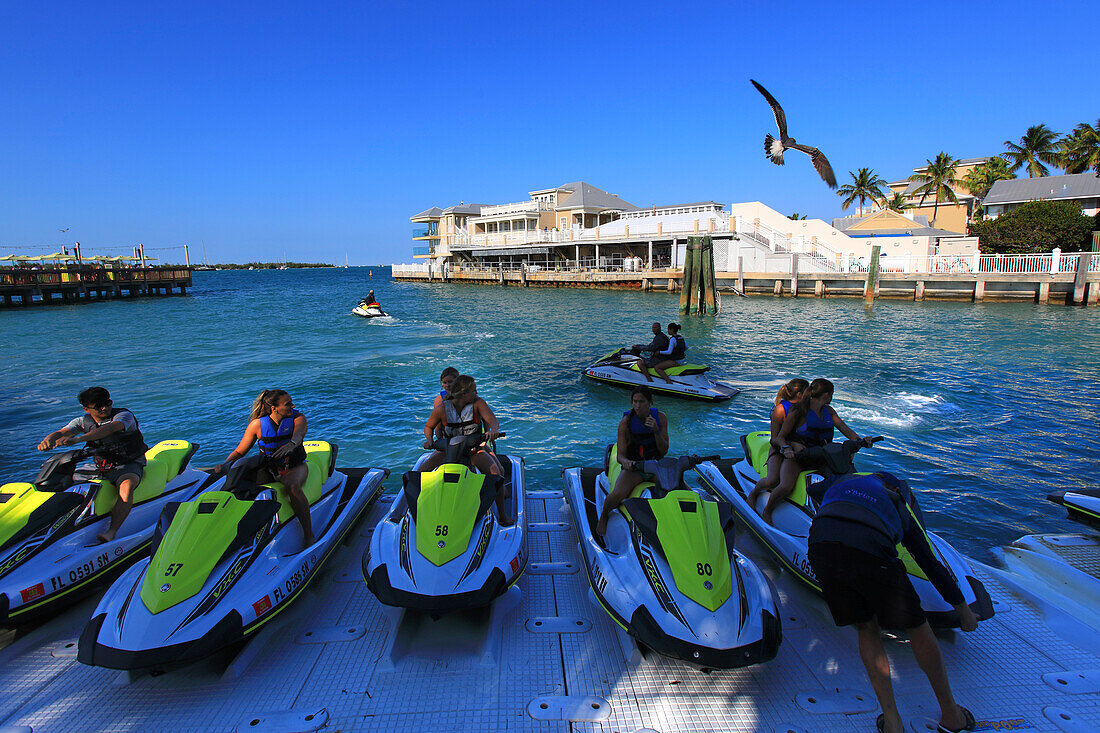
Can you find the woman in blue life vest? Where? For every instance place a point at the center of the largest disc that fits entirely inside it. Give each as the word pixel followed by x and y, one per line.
pixel 673 355
pixel 280 430
pixel 809 424
pixel 789 394
pixel 643 436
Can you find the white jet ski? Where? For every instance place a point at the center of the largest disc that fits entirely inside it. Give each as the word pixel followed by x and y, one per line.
pixel 623 369
pixel 667 571
pixel 441 546
pixel 49 554
pixel 369 309
pixel 787 537
pixel 224 564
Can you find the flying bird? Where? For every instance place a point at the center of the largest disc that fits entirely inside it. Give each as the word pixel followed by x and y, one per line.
pixel 774 148
pixel 64 230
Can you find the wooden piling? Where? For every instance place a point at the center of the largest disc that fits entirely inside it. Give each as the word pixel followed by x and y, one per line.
pixel 1044 292
pixel 688 286
pixel 740 274
pixel 710 287
pixel 794 274
pixel 1080 275
pixel 819 289
pixel 918 294
pixel 871 285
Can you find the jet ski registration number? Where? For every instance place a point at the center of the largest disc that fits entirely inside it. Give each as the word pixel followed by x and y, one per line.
pixel 81 571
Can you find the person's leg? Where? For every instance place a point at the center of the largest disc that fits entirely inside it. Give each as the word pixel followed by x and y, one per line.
pixel 788 475
pixel 623 486
pixel 126 485
pixel 432 462
pixel 487 463
pixel 660 369
pixel 769 480
pixel 877 664
pixel 293 481
pixel 930 658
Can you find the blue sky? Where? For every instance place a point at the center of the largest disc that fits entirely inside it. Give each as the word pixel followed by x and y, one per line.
pixel 318 129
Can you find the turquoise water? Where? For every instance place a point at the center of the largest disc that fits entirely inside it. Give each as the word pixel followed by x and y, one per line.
pixel 986 408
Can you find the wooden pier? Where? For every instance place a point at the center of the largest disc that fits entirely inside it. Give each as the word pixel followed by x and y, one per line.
pixel 25 286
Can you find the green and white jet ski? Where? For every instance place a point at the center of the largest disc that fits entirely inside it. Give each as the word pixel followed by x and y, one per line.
pixel 1082 505
pixel 49 554
pixel 223 565
pixel 623 369
pixel 667 571
pixel 787 537
pixel 441 546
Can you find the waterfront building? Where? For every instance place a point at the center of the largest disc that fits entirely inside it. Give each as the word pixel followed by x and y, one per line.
pixel 1081 188
pixel 949 216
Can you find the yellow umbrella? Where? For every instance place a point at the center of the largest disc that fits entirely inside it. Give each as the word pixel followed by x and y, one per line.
pixel 55 257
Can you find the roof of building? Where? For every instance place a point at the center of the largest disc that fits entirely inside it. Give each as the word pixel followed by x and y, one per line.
pixel 432 213
pixel 1020 190
pixel 472 209
pixel 586 196
pixel 888 223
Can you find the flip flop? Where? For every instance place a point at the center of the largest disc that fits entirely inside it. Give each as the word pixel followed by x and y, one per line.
pixel 880 722
pixel 968 725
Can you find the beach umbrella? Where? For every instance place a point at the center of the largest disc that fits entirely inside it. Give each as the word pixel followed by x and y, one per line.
pixel 55 257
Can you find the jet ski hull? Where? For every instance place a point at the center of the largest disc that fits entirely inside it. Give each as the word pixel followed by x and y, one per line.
pixel 632 581
pixel 49 569
pixel 495 557
pixel 245 590
pixel 787 540
pixel 368 312
pixel 696 386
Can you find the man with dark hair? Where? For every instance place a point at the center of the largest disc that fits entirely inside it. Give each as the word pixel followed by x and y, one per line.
pixel 112 433
pixel 853 551
pixel 654 347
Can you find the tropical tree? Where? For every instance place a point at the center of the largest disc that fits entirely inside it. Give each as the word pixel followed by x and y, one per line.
pixel 796 216
pixel 1080 150
pixel 865 185
pixel 938 181
pixel 982 177
pixel 897 202
pixel 1038 145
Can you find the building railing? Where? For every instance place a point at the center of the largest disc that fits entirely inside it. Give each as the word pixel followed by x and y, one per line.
pixel 519 207
pixel 88 275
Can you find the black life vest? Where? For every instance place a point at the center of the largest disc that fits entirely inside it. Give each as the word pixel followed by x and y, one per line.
pixel 679 348
pixel 118 449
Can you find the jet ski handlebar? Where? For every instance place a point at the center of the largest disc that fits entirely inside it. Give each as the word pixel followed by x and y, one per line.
pixel 668 473
pixel 57 471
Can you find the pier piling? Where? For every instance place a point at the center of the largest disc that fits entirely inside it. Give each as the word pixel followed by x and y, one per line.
pixel 872 277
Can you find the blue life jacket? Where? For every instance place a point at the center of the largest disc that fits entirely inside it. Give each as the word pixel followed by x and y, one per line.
pixel 786 407
pixel 816 430
pixel 272 436
pixel 443 393
pixel 865 500
pixel 643 441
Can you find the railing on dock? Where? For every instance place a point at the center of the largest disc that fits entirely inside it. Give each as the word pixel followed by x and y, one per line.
pixel 22 285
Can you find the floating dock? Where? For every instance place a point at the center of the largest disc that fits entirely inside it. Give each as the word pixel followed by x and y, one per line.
pixel 546 658
pixel 25 286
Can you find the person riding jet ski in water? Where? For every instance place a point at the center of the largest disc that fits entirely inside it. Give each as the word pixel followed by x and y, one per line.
pixel 643 436
pixel 119 448
pixel 654 347
pixel 671 356
pixel 280 431
pixel 808 425
pixel 446 379
pixel 463 413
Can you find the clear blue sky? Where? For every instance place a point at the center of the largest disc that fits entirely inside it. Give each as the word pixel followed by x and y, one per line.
pixel 320 128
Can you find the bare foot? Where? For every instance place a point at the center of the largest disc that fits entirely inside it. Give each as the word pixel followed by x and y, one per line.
pixel 601 528
pixel 752 497
pixel 668 381
pixel 766 516
pixel 308 541
pixel 106 535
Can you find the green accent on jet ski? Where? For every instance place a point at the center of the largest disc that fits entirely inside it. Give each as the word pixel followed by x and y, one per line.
pixel 17 502
pixel 759 444
pixel 199 534
pixel 676 370
pixel 318 457
pixel 163 463
pixel 614 469
pixel 694 546
pixel 446 510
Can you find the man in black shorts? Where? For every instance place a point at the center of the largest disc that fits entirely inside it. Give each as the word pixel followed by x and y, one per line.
pixel 112 433
pixel 654 347
pixel 853 551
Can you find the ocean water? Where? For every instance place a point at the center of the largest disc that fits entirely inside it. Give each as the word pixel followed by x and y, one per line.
pixel 986 408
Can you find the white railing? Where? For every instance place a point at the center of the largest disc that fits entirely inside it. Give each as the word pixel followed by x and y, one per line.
pixel 518 207
pixel 409 269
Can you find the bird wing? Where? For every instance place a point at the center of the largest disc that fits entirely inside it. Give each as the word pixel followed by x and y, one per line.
pixel 821 163
pixel 780 118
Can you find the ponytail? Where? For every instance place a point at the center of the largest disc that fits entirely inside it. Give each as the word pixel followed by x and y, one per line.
pixel 265 402
pixel 818 388
pixel 794 387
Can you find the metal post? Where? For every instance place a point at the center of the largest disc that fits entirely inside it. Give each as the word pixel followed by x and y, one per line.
pixel 186 256
pixel 141 254
pixel 740 273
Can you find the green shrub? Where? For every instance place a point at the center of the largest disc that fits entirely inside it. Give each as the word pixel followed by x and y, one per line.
pixel 1037 226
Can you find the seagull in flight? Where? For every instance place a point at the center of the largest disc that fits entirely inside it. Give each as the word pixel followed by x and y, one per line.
pixel 64 230
pixel 774 148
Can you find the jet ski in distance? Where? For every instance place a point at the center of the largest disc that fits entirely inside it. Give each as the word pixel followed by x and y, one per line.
pixel 442 546
pixel 369 309
pixel 224 564
pixel 1081 505
pixel 667 571
pixel 49 553
pixel 787 536
pixel 622 368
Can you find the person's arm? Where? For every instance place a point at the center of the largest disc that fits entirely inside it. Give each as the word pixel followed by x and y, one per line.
pixel 621 443
pixel 781 440
pixel 485 414
pixel 434 420
pixel 777 417
pixel 916 541
pixel 102 431
pixel 660 432
pixel 296 439
pixel 668 351
pixel 250 434
pixel 847 431
pixel 57 437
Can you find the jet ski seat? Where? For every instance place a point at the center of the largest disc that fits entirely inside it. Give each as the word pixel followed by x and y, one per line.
pixel 320 460
pixel 25 511
pixel 756 447
pixel 163 462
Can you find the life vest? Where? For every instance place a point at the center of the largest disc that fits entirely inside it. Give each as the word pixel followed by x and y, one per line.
pixel 272 436
pixel 679 348
pixel 443 394
pixel 457 423
pixel 117 449
pixel 816 430
pixel 865 500
pixel 643 441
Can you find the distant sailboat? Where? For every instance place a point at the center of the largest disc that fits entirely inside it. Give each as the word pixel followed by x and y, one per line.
pixel 345 260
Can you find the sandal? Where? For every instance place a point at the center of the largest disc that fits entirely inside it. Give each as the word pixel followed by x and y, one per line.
pixel 968 725
pixel 880 722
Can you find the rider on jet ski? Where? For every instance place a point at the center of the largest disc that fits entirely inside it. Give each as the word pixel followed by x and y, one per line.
pixel 462 413
pixel 671 356
pixel 113 434
pixel 654 347
pixel 643 435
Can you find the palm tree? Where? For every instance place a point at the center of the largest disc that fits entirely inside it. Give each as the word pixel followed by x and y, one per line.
pixel 938 181
pixel 1038 145
pixel 796 216
pixel 865 185
pixel 1081 150
pixel 897 202
pixel 982 177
